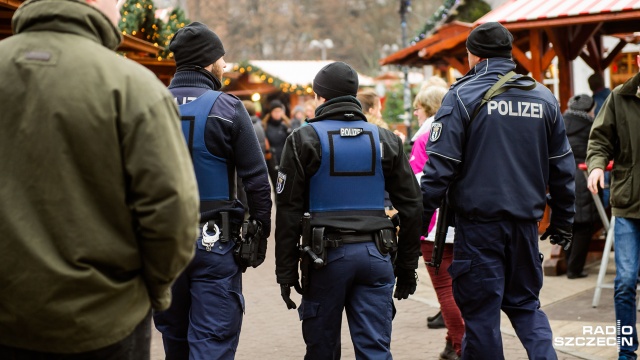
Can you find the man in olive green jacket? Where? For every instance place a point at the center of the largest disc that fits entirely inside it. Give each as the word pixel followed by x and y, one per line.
pixel 98 200
pixel 615 135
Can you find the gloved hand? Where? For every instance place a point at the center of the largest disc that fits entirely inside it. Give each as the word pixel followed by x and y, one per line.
pixel 406 282
pixel 560 235
pixel 262 252
pixel 285 292
pixel 395 220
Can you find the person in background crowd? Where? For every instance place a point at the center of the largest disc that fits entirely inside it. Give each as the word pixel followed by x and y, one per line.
pixel 426 104
pixel 427 100
pixel 600 92
pixel 297 117
pixel 310 109
pixel 372 108
pixel 341 188
pixel 615 136
pixel 99 201
pixel 434 81
pixel 496 260
pixel 277 129
pixel 578 120
pixel 205 318
pixel 257 127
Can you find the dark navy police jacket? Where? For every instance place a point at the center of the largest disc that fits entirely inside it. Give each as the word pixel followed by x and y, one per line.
pixel 513 150
pixel 229 135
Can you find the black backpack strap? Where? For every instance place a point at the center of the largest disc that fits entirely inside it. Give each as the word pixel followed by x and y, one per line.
pixel 500 87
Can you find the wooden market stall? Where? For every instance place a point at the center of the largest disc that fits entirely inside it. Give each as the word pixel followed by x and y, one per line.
pixel 290 81
pixel 443 48
pixel 132 47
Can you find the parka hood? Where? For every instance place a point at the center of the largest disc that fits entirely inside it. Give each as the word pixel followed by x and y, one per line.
pixel 67 16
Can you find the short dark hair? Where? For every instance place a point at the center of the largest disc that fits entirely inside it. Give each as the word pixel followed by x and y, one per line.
pixel 596 82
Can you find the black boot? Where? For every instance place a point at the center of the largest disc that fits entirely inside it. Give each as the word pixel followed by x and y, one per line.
pixel 431 318
pixel 436 321
pixel 449 353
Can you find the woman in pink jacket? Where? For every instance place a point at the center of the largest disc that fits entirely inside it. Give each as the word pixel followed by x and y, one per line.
pixel 426 104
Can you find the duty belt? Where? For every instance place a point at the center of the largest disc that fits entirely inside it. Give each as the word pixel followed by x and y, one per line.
pixel 339 238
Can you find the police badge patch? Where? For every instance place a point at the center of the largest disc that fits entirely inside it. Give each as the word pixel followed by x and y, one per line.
pixel 436 130
pixel 282 178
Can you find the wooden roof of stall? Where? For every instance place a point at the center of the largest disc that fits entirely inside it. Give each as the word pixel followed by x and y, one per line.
pixel 445 44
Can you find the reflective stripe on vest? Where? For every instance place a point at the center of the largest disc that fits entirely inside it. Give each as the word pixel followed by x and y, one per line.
pixel 211 171
pixel 350 175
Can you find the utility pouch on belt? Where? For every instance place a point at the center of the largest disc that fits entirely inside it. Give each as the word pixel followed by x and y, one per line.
pixel 318 244
pixel 386 241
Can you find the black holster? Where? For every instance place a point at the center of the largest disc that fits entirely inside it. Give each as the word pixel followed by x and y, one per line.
pixel 386 241
pixel 312 250
pixel 246 250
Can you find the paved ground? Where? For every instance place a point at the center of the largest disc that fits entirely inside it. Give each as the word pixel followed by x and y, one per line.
pixel 271 332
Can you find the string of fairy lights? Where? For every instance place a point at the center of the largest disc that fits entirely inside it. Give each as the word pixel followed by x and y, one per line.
pixel 245 67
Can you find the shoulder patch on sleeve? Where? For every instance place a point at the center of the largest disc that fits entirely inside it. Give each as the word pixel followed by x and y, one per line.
pixel 436 130
pixel 282 179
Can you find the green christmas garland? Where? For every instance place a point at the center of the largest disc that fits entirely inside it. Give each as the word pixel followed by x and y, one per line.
pixel 138 19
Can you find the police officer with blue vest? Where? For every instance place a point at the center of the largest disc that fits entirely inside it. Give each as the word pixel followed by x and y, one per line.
pixel 495 159
pixel 331 189
pixel 205 316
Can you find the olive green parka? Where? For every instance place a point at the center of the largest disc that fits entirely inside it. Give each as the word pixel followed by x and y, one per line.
pixel 98 200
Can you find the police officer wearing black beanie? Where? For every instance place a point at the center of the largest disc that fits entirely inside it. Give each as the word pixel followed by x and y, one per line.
pixel 336 171
pixel 494 161
pixel 220 136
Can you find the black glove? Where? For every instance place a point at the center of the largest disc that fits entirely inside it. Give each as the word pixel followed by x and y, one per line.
pixel 406 283
pixel 395 220
pixel 285 292
pixel 560 235
pixel 262 252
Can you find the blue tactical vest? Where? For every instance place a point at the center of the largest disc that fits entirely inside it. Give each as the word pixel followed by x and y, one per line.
pixel 211 171
pixel 350 176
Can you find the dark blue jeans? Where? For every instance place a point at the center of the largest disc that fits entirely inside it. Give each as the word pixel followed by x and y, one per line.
pixel 134 347
pixel 627 255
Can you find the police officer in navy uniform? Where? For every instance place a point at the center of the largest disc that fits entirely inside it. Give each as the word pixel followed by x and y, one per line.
pixel 497 167
pixel 336 170
pixel 205 316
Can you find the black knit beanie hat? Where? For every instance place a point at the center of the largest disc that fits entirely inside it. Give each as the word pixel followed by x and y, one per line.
pixel 336 79
pixel 195 44
pixel 582 102
pixel 490 40
pixel 276 104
